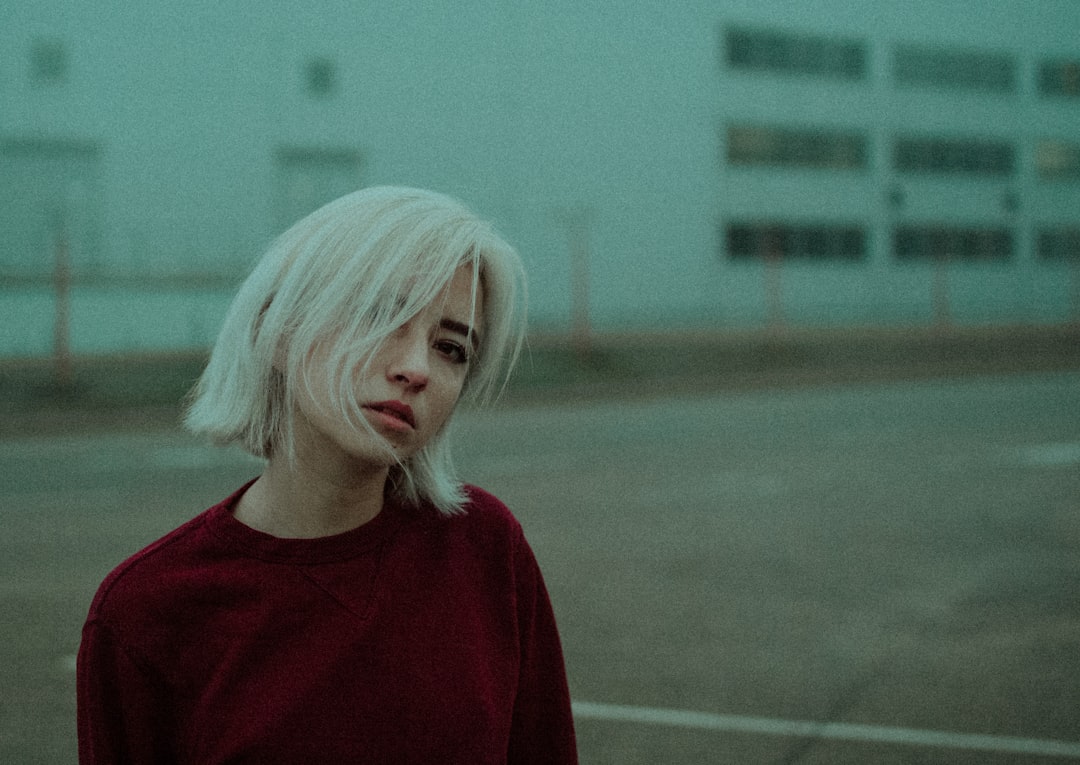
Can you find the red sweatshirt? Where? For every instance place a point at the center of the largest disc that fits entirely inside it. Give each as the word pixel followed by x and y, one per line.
pixel 416 638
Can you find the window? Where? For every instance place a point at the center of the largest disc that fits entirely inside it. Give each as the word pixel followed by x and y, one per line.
pixel 309 178
pixel 932 242
pixel 48 62
pixel 1057 160
pixel 959 70
pixel 1060 78
pixel 945 155
pixel 814 241
pixel 786 53
pixel 1059 243
pixel 320 77
pixel 805 147
pixel 50 189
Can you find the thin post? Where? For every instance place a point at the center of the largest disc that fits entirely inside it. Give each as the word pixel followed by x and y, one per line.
pixel 64 366
pixel 940 290
pixel 581 329
pixel 1074 296
pixel 774 292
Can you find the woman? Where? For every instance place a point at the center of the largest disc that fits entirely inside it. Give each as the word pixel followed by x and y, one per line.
pixel 356 602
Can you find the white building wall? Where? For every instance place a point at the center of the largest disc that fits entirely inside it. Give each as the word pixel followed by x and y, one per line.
pixel 536 115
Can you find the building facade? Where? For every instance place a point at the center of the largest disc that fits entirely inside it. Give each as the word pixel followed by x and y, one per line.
pixel 660 166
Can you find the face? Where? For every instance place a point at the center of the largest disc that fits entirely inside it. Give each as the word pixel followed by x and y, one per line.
pixel 409 389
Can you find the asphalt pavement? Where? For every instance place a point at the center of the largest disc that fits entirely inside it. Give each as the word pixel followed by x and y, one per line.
pixel 843 571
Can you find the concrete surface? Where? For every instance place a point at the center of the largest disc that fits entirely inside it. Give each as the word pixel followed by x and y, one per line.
pixel 900 555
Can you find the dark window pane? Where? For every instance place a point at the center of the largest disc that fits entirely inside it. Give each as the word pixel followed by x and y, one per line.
pixel 951 243
pixel 320 75
pixel 807 147
pixel 942 155
pixel 1062 243
pixel 773 239
pixel 48 61
pixel 963 70
pixel 1057 160
pixel 1060 78
pixel 741 241
pixel 787 53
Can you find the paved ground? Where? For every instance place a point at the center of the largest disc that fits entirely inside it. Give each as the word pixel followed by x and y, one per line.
pixel 903 556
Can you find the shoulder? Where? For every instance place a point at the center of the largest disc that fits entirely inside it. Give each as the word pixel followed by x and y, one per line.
pixel 487 505
pixel 484 510
pixel 144 578
pixel 483 523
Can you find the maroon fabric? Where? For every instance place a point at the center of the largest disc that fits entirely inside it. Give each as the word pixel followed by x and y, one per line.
pixel 416 638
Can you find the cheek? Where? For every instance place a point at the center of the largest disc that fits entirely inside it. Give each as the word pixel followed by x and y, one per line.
pixel 315 407
pixel 445 396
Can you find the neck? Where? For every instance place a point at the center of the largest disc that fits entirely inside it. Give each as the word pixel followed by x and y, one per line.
pixel 295 500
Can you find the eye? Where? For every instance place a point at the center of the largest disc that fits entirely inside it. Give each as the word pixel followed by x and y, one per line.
pixel 452 350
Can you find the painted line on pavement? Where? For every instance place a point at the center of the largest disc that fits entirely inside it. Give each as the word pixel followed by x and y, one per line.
pixel 679 718
pixel 1051 455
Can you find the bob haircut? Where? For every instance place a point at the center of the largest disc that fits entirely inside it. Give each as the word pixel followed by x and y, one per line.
pixel 343 279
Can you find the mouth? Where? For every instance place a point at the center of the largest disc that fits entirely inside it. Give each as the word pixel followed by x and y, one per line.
pixel 393 413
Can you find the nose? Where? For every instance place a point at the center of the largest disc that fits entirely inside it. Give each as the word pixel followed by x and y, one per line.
pixel 407 363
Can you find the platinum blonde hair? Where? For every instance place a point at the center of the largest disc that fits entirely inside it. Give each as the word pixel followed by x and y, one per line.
pixel 343 279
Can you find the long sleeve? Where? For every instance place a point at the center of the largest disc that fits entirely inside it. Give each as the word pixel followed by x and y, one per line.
pixel 542 729
pixel 121 717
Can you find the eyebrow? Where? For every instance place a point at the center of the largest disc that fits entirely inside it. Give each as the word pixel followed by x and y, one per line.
pixel 462 329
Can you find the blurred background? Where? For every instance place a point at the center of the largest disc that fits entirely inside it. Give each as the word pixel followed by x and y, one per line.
pixel 688 165
pixel 804 304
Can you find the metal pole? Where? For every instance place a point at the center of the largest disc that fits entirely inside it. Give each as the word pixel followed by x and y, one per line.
pixel 774 298
pixel 64 366
pixel 1074 301
pixel 581 331
pixel 942 313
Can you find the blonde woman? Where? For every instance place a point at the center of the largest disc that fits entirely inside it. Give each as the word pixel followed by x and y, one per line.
pixel 356 602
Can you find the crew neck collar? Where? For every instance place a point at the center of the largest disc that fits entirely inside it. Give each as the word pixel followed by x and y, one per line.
pixel 336 547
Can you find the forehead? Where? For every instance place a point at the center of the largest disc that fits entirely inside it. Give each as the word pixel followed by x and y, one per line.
pixel 455 300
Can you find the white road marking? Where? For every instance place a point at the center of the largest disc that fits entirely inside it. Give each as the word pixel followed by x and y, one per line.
pixel 679 718
pixel 1051 455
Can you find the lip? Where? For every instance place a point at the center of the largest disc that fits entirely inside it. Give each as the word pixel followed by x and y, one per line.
pixel 394 413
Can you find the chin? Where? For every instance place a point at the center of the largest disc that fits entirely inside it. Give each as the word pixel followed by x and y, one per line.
pixel 385 454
